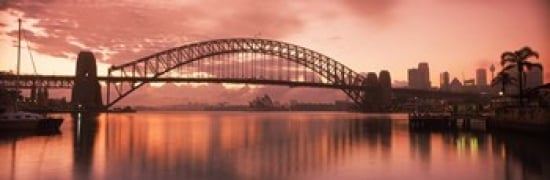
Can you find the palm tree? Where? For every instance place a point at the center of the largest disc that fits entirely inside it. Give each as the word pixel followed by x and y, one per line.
pixel 504 79
pixel 518 60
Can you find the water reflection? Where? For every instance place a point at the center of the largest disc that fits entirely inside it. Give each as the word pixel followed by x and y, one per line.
pixel 235 146
pixel 199 145
pixel 84 128
pixel 525 157
pixel 10 145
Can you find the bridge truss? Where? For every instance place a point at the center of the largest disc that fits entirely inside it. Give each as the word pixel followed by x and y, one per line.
pixel 33 81
pixel 240 60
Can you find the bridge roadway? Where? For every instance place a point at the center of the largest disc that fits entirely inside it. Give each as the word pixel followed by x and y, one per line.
pixel 67 82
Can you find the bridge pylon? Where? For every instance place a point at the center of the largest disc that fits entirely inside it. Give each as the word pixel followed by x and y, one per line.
pixel 86 92
pixel 376 92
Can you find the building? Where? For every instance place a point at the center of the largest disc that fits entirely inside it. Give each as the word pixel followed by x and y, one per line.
pixel 455 85
pixel 424 72
pixel 481 77
pixel 384 79
pixel 414 78
pixel 444 81
pixel 534 78
pixel 513 89
pixel 373 98
pixel 469 85
pixel 419 78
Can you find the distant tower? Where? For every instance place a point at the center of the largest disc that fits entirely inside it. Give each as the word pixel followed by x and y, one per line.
pixel 481 77
pixel 86 93
pixel 413 78
pixel 424 72
pixel 384 80
pixel 371 92
pixel 444 81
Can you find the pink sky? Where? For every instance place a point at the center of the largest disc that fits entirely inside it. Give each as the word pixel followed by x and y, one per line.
pixel 366 35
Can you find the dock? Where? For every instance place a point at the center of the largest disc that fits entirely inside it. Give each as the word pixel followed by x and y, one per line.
pixel 447 122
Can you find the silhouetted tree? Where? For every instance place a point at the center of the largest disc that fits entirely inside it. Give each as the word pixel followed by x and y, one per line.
pixel 504 79
pixel 518 60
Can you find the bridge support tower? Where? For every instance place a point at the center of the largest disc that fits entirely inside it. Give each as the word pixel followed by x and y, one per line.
pixel 377 93
pixel 86 92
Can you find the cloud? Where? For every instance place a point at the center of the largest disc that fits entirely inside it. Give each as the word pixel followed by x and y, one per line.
pixel 121 31
pixel 377 10
pixel 4 4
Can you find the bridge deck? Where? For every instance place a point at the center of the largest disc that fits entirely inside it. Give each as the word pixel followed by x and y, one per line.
pixel 65 82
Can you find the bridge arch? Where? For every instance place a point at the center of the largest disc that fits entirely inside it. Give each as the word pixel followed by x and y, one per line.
pixel 151 68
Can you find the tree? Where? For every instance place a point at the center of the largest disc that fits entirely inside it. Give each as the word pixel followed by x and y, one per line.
pixel 519 60
pixel 504 79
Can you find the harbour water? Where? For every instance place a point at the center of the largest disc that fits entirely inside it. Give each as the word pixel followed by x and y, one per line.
pixel 265 145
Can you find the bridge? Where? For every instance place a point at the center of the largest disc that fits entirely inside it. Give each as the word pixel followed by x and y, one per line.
pixel 239 60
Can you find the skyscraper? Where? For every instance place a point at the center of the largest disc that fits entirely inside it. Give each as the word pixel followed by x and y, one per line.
pixel 481 77
pixel 533 78
pixel 384 79
pixel 413 77
pixel 444 81
pixel 424 73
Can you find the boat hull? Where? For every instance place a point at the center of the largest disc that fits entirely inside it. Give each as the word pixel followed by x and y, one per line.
pixel 45 124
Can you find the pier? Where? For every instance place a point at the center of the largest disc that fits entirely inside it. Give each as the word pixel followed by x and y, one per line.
pixel 447 122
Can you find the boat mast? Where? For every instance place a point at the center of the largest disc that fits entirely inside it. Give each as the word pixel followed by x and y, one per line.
pixel 18 66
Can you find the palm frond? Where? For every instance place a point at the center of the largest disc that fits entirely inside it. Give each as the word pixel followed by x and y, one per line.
pixel 507 57
pixel 527 52
pixel 503 77
pixel 509 67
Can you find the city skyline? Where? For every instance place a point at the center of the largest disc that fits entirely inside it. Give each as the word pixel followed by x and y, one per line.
pixel 352 32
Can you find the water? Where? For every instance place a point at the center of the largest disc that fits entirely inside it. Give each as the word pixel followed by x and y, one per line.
pixel 265 145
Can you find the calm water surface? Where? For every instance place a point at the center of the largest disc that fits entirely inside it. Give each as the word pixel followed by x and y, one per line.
pixel 265 145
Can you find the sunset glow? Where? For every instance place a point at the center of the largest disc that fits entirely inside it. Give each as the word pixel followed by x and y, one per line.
pixel 365 35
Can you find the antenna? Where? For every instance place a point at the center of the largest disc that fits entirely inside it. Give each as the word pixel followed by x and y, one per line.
pixel 18 65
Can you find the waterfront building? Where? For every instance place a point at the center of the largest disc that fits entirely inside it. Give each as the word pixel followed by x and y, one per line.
pixel 481 77
pixel 424 73
pixel 419 78
pixel 455 86
pixel 469 85
pixel 413 78
pixel 444 81
pixel 384 79
pixel 534 78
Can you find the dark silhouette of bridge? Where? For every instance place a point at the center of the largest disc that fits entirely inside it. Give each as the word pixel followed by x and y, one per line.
pixel 241 60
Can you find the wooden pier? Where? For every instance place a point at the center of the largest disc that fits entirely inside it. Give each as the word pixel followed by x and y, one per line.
pixel 446 122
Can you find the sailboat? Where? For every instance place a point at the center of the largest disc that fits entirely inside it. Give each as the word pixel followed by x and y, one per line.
pixel 25 121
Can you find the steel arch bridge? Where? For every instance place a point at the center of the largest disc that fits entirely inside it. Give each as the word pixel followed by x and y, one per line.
pixel 237 60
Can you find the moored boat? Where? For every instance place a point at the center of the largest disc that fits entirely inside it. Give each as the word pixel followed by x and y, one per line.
pixel 25 121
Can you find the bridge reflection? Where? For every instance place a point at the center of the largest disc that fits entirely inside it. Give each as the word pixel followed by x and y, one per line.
pixel 196 145
pixel 234 147
pixel 84 128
